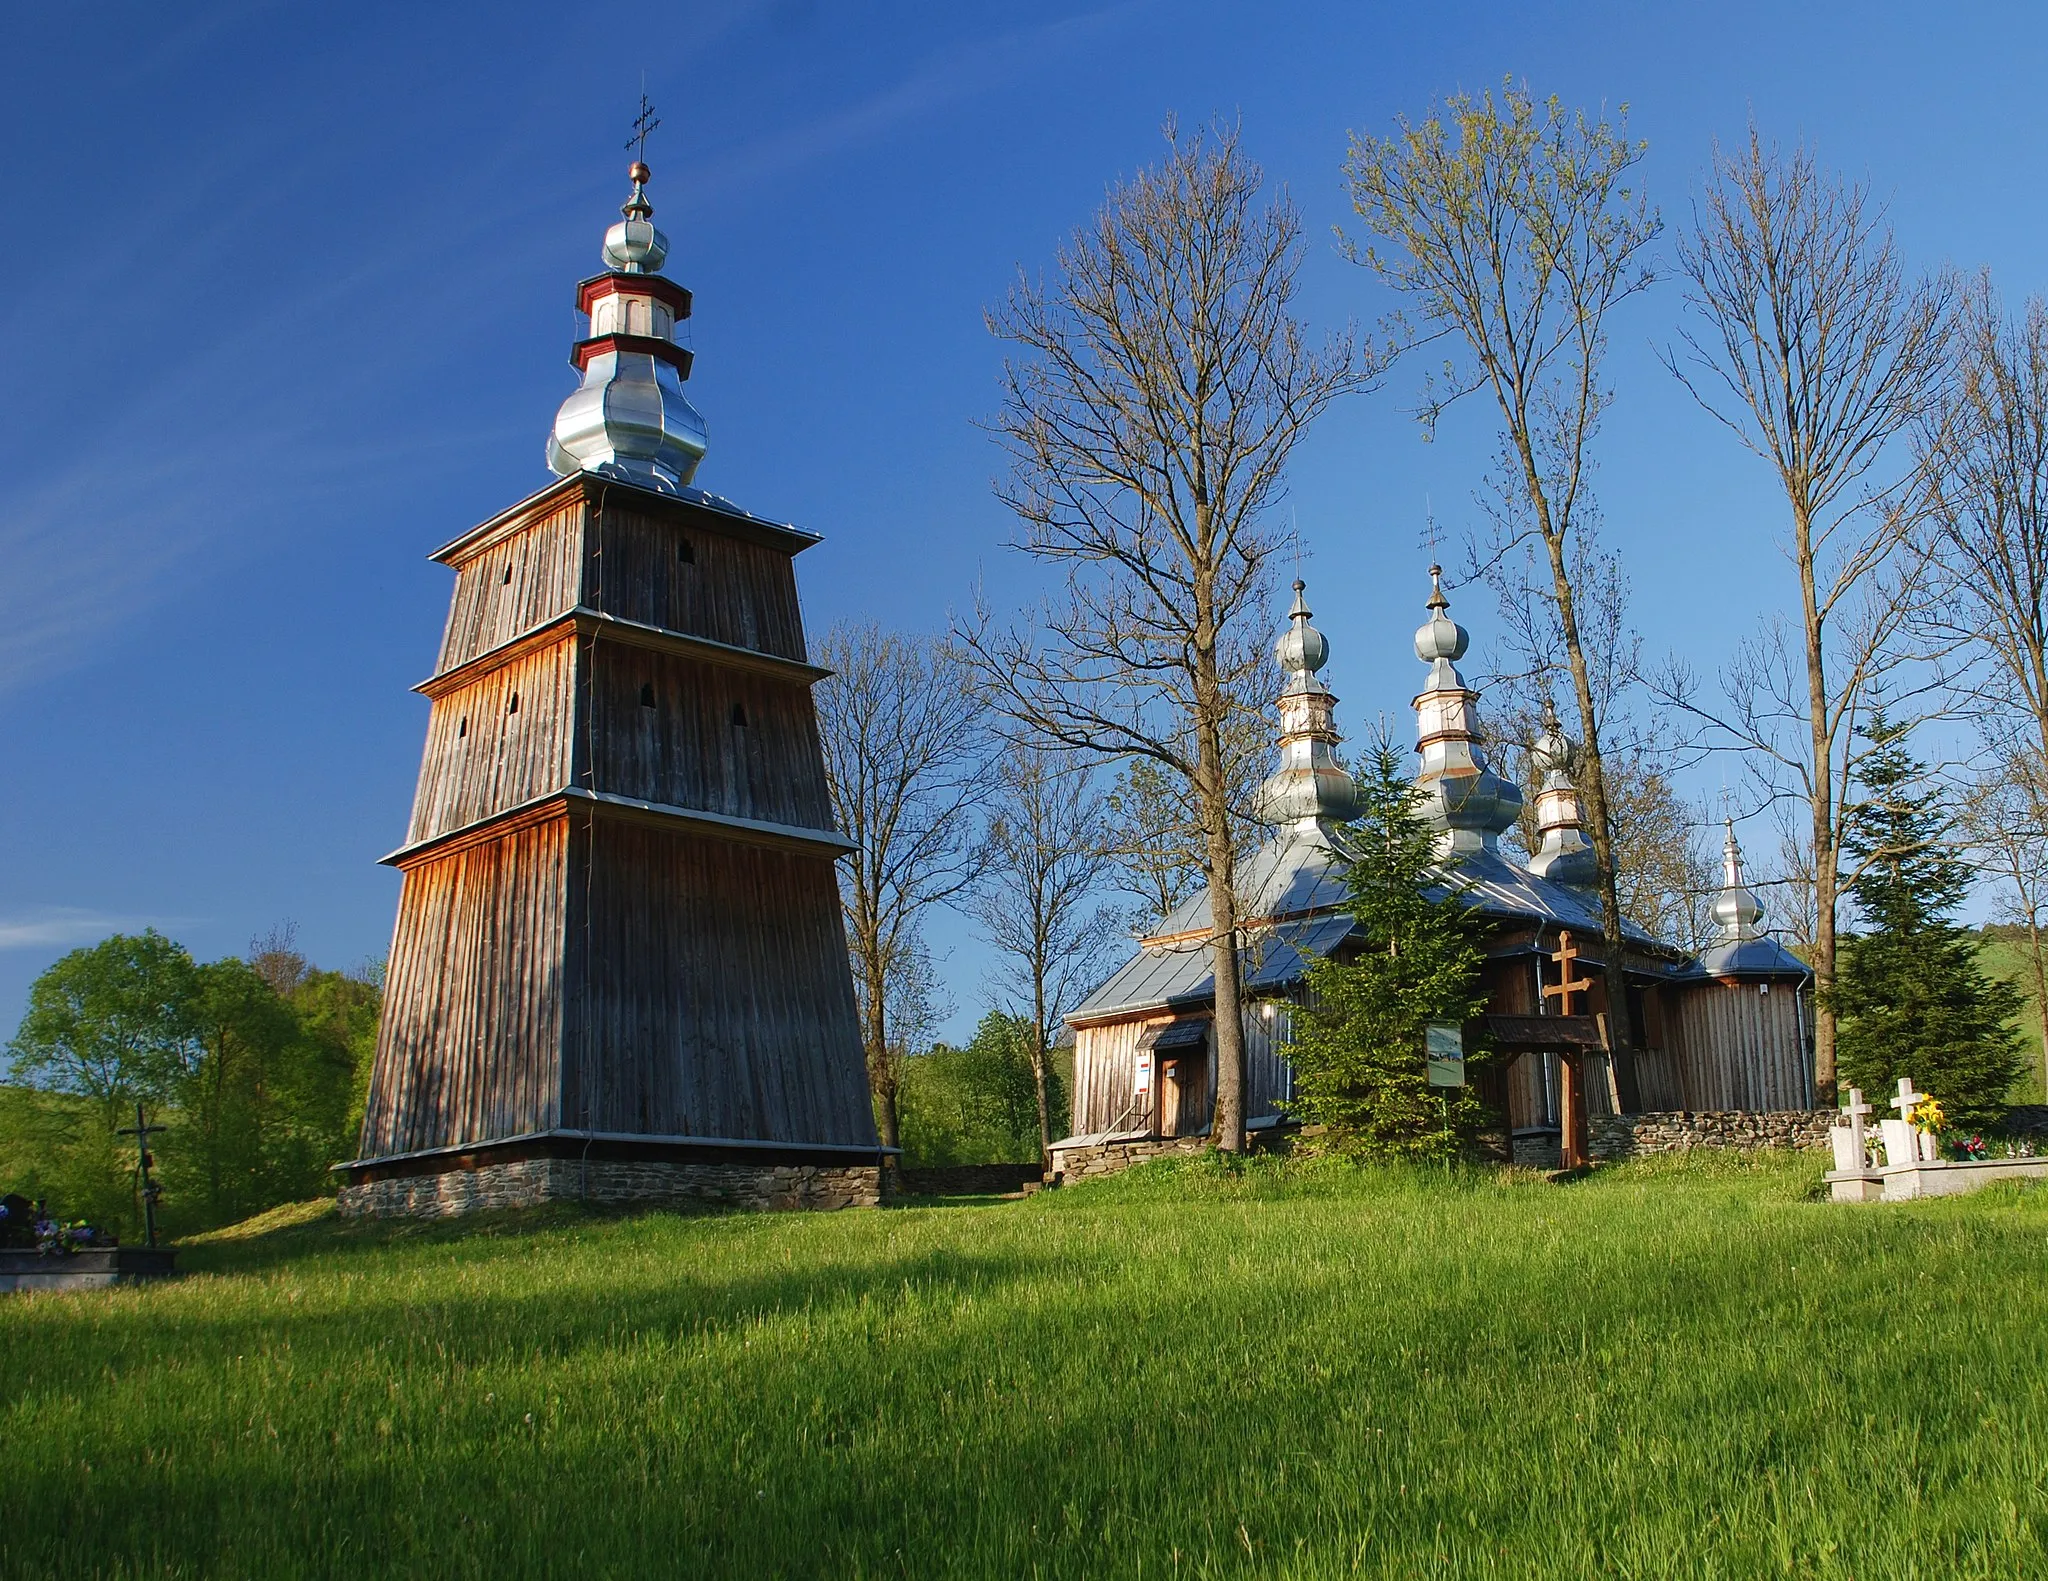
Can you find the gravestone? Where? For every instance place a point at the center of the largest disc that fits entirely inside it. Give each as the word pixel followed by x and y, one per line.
pixel 1852 1179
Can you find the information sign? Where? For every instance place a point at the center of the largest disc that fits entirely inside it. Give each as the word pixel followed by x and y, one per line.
pixel 1446 1047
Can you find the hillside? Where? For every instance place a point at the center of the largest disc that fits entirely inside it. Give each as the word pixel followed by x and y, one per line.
pixel 1677 1371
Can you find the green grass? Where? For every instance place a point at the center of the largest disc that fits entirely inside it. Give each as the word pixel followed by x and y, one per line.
pixel 1662 1371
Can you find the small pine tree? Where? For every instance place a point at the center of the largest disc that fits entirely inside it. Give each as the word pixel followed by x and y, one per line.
pixel 1909 993
pixel 1358 1051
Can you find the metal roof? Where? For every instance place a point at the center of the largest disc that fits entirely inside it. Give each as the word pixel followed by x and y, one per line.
pixel 1297 880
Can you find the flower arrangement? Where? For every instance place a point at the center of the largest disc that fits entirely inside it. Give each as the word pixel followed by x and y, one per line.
pixel 1926 1115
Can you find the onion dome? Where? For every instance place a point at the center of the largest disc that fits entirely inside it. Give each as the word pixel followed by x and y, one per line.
pixel 1310 790
pixel 1462 797
pixel 1563 853
pixel 1736 910
pixel 1742 947
pixel 630 419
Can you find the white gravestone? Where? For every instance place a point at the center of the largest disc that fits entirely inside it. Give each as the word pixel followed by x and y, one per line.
pixel 1852 1148
pixel 1904 1143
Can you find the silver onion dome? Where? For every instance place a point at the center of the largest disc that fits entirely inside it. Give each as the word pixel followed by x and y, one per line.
pixel 629 419
pixel 1467 802
pixel 1563 853
pixel 1736 910
pixel 1310 789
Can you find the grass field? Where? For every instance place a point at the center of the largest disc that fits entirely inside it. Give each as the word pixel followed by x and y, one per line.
pixel 1696 1371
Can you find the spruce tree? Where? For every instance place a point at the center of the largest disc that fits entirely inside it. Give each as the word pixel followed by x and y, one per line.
pixel 1910 996
pixel 1414 957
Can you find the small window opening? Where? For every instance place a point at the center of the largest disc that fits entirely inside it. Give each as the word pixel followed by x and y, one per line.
pixel 739 713
pixel 508 573
pixel 513 706
pixel 686 552
pixel 647 695
pixel 462 727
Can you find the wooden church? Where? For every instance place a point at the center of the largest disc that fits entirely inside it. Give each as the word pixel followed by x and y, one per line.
pixel 1727 1030
pixel 619 970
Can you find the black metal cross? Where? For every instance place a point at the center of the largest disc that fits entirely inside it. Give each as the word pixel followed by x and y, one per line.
pixel 150 1189
pixel 645 123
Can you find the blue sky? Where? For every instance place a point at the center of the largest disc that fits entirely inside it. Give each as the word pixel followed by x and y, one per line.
pixel 286 296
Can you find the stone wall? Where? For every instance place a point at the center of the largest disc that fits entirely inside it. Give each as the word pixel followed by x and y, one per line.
pixel 1107 1158
pixel 1674 1131
pixel 530 1182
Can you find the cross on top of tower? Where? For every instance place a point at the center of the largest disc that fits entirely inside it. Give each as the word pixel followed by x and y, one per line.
pixel 644 123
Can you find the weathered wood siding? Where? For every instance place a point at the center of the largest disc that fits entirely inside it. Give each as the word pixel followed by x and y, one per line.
pixel 663 729
pixel 728 589
pixel 1106 1064
pixel 515 583
pixel 471 1038
pixel 485 755
pixel 1742 1049
pixel 717 1000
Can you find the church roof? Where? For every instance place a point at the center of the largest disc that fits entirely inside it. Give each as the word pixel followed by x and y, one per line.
pixel 1294 886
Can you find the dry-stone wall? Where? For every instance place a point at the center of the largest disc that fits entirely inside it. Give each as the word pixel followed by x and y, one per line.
pixel 530 1182
pixel 1106 1158
pixel 1674 1131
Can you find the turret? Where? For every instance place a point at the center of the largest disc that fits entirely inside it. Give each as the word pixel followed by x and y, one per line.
pixel 1563 853
pixel 1310 790
pixel 630 419
pixel 1462 797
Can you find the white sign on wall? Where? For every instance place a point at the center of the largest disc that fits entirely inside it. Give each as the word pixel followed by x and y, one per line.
pixel 1141 1079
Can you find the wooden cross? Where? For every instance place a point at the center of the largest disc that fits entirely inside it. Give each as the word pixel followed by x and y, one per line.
pixel 150 1189
pixel 1566 984
pixel 646 123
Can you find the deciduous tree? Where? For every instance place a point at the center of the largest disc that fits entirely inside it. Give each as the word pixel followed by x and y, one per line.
pixel 1160 385
pixel 906 757
pixel 1510 228
pixel 1818 351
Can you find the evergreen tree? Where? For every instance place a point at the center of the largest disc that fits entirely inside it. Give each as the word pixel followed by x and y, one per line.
pixel 1909 994
pixel 1358 1049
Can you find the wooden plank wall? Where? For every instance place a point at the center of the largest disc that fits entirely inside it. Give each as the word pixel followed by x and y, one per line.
pixel 686 750
pixel 730 590
pixel 482 757
pixel 518 583
pixel 718 1001
pixel 470 1043
pixel 1741 1049
pixel 1105 1070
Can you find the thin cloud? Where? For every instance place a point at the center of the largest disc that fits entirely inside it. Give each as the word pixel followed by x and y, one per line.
pixel 67 925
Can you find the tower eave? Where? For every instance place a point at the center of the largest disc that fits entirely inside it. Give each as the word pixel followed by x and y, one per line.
pixel 732 518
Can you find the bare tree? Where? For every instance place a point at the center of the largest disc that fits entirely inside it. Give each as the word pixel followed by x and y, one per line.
pixel 1512 227
pixel 1040 905
pixel 2002 817
pixel 1818 352
pixel 1984 459
pixel 906 756
pixel 1160 386
pixel 278 960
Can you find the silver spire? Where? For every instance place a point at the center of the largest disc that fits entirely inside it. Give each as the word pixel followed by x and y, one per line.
pixel 630 419
pixel 1462 797
pixel 1309 790
pixel 1563 853
pixel 1736 910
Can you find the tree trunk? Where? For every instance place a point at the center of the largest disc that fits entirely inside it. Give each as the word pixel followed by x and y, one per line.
pixel 1620 1025
pixel 880 1077
pixel 1826 834
pixel 1212 792
pixel 1039 1054
pixel 2040 990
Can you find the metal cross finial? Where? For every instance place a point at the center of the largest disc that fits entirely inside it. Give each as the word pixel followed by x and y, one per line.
pixel 644 123
pixel 1429 528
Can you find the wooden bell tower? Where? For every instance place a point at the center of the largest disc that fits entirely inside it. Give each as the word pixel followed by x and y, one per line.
pixel 619 971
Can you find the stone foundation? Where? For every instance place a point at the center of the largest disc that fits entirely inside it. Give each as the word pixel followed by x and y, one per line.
pixel 531 1182
pixel 1096 1159
pixel 1636 1135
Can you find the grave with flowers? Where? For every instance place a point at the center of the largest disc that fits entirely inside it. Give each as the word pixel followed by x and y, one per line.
pixel 39 1251
pixel 1915 1155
